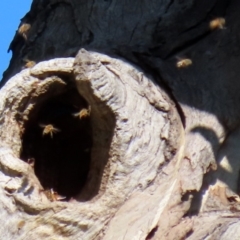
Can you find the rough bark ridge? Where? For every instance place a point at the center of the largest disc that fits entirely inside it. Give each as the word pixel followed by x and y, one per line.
pixel 158 144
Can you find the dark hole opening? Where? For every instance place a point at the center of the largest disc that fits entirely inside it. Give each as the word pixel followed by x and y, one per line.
pixel 61 158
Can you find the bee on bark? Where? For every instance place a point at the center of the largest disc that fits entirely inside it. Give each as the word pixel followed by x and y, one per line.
pixel 217 23
pixel 53 196
pixel 23 30
pixel 20 36
pixel 28 63
pixel 21 224
pixel 31 162
pixel 49 129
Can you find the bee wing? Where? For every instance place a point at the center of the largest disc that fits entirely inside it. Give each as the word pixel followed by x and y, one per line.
pixel 76 114
pixel 59 197
pixel 57 130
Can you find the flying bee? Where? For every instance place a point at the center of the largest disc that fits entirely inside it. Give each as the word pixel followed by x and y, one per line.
pixel 217 23
pixel 23 30
pixel 183 63
pixel 83 113
pixel 49 129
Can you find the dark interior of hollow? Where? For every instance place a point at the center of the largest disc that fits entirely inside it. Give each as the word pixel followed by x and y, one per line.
pixel 62 161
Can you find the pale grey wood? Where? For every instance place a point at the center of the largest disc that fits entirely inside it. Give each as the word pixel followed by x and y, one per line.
pixel 139 146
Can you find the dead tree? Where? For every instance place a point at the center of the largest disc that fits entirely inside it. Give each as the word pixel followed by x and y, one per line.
pixel 120 120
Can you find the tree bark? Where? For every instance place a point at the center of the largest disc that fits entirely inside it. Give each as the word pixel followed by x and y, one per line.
pixel 144 119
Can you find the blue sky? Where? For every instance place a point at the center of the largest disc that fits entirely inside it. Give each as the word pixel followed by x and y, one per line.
pixel 11 13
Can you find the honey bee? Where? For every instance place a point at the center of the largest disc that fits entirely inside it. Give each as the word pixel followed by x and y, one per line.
pixel 53 196
pixel 28 63
pixel 83 113
pixel 49 129
pixel 20 225
pixel 31 162
pixel 23 29
pixel 217 23
pixel 184 63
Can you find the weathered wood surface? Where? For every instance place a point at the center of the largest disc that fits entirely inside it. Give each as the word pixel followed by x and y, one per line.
pixel 164 157
pixel 143 130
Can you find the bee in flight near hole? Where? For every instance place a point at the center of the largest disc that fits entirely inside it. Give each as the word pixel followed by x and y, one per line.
pixel 217 23
pixel 49 129
pixel 83 113
pixel 183 63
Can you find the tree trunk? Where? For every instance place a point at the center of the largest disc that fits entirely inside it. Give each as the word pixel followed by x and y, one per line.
pixel 120 120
